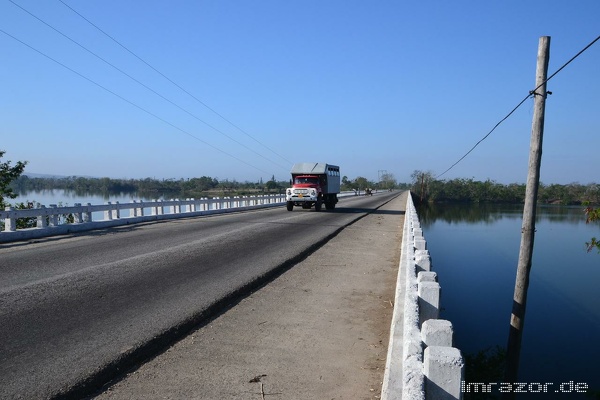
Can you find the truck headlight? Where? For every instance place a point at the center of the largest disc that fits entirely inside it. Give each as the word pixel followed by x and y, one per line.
pixel 289 192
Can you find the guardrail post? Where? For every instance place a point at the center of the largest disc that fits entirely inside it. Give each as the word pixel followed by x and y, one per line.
pixel 427 276
pixel 42 220
pixel 78 215
pixel 108 212
pixel 117 211
pixel 158 208
pixel 444 371
pixel 134 210
pixel 53 215
pixel 429 301
pixel 10 222
pixel 422 260
pixel 437 332
pixel 87 216
pixel 420 243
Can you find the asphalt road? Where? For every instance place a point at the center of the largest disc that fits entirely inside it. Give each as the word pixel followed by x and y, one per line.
pixel 76 311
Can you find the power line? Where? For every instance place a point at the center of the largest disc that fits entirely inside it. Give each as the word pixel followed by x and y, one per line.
pixel 531 94
pixel 173 82
pixel 142 84
pixel 130 102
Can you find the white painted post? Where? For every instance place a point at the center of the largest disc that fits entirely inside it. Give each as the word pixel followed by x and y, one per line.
pixel 420 243
pixel 108 213
pixel 10 223
pixel 444 371
pixel 87 216
pixel 78 214
pixel 427 276
pixel 117 211
pixel 422 260
pixel 437 332
pixel 53 216
pixel 42 221
pixel 429 301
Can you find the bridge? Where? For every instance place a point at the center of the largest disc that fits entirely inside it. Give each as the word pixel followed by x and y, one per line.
pixel 81 309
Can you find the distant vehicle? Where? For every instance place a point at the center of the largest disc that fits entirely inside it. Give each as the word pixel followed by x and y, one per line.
pixel 313 184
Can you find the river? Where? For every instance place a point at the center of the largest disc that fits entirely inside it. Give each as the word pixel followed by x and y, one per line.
pixel 474 250
pixel 70 197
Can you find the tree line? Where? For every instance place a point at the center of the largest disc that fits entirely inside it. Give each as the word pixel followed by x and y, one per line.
pixel 192 187
pixel 461 190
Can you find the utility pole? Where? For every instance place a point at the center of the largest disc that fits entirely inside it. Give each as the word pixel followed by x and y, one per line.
pixel 517 318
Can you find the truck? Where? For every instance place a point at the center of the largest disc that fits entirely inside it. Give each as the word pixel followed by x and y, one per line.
pixel 313 184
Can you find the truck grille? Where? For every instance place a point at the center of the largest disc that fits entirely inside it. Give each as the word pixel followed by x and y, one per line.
pixel 301 191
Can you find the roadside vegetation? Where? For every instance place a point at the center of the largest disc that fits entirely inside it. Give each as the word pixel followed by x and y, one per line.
pixel 424 186
pixel 192 187
pixel 428 189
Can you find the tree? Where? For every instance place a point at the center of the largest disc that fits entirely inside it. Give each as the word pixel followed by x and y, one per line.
pixel 421 181
pixel 7 175
pixel 272 184
pixel 361 182
pixel 593 214
pixel 387 181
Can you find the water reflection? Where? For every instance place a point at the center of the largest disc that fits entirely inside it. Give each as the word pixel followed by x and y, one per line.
pixel 489 213
pixel 474 250
pixel 70 197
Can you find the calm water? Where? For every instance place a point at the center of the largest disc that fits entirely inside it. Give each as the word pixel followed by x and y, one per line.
pixel 69 197
pixel 475 250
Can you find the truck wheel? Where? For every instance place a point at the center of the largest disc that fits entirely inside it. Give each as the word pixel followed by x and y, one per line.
pixel 318 205
pixel 290 205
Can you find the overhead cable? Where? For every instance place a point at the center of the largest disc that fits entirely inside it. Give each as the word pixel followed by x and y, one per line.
pixel 143 85
pixel 531 94
pixel 174 83
pixel 130 102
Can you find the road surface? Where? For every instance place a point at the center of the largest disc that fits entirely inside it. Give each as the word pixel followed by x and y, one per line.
pixel 76 311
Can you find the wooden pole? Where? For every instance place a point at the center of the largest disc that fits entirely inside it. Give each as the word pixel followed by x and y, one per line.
pixel 517 319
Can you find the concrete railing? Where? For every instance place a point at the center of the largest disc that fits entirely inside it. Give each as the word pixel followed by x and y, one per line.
pixel 421 362
pixel 52 221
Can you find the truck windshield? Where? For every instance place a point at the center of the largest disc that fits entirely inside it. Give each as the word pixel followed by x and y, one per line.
pixel 306 180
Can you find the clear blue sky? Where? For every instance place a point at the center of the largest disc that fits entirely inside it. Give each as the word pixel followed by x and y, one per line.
pixel 368 85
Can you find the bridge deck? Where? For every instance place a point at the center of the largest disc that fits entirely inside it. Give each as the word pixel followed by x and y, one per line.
pixel 319 331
